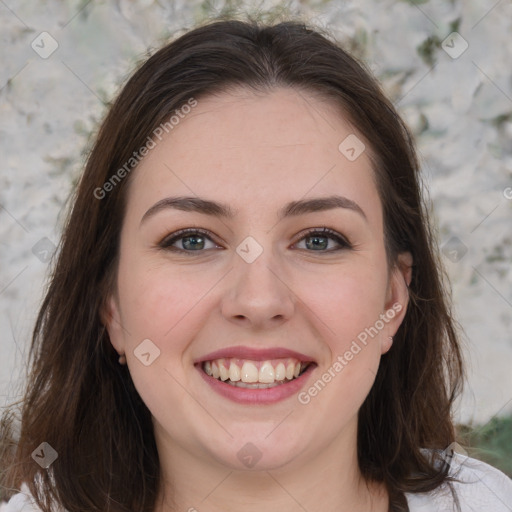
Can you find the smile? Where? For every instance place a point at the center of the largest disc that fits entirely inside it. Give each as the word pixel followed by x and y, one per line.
pixel 255 374
pixel 255 377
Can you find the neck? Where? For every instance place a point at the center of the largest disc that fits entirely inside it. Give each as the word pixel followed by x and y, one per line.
pixel 329 481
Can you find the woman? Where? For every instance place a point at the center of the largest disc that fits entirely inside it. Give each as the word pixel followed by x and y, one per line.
pixel 247 307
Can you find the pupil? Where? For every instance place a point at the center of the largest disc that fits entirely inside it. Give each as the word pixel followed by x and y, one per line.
pixel 316 243
pixel 194 240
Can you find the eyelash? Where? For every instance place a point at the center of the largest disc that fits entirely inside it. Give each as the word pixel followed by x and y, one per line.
pixel 167 242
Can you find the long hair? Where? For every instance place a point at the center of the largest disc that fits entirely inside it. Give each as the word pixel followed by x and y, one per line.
pixel 83 403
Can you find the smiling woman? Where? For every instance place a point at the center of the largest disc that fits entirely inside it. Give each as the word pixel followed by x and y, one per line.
pixel 272 248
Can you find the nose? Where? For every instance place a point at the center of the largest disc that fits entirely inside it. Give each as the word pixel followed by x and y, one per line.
pixel 258 294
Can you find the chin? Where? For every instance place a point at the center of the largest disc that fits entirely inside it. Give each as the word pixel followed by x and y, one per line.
pixel 255 453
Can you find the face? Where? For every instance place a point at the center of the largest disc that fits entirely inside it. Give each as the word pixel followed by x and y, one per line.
pixel 263 292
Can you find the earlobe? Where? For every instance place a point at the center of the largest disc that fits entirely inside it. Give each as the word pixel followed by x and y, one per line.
pixel 386 345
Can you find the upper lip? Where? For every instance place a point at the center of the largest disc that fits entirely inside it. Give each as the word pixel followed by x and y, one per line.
pixel 254 354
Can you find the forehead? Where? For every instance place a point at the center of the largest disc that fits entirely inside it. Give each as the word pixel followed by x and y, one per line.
pixel 249 148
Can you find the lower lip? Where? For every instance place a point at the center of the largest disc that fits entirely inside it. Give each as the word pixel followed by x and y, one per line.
pixel 257 396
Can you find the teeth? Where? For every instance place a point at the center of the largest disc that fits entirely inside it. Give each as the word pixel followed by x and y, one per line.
pixel 256 385
pixel 280 372
pixel 215 370
pixel 254 374
pixel 249 372
pixel 234 373
pixel 266 374
pixel 224 374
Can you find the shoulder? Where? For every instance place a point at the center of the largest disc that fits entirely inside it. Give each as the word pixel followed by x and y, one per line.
pixel 21 502
pixel 479 488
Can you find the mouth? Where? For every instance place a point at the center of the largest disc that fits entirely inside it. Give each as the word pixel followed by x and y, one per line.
pixel 251 374
pixel 255 376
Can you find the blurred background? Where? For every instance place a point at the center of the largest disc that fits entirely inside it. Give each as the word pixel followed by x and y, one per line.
pixel 445 64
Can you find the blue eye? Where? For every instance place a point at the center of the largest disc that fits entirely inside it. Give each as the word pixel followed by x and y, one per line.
pixel 194 240
pixel 320 240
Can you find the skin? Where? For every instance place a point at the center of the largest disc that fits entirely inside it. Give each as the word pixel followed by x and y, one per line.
pixel 256 153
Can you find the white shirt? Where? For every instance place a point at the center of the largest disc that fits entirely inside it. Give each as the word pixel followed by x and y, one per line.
pixel 486 490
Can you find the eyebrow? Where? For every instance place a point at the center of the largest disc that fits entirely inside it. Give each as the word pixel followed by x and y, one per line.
pixel 292 209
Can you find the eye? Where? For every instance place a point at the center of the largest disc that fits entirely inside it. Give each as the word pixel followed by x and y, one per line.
pixel 318 240
pixel 191 240
pixel 195 240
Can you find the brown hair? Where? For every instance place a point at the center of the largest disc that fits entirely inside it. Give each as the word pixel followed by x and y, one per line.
pixel 84 404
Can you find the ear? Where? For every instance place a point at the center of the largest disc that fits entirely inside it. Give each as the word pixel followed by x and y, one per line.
pixel 397 298
pixel 111 318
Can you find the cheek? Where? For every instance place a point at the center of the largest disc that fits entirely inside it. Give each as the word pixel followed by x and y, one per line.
pixel 163 305
pixel 346 300
pixel 157 300
pixel 349 305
